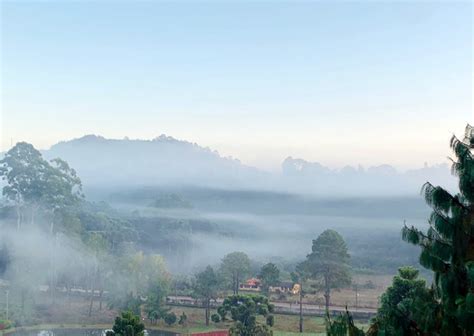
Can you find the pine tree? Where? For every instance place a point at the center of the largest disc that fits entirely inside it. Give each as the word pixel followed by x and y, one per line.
pixel 407 308
pixel 447 248
pixel 328 263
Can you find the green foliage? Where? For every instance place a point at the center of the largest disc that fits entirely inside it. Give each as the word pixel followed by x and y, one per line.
pixel 139 275
pixel 171 201
pixel 447 247
pixel 270 320
pixel 183 319
pixel 5 324
pixel 127 302
pixel 269 276
pixel 222 313
pixel 170 318
pixel 205 287
pixel 216 318
pixel 128 324
pixel 343 325
pixel 328 263
pixel 206 284
pixel 33 183
pixel 407 307
pixel 5 258
pixel 244 310
pixel 235 266
pixel 157 292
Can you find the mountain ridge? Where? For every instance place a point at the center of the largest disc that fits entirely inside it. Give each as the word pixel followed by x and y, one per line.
pixel 165 160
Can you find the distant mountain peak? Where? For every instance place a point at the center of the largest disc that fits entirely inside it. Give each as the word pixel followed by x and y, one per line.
pixel 89 138
pixel 85 139
pixel 167 138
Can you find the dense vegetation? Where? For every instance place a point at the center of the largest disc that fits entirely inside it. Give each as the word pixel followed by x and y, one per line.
pixel 409 307
pixel 121 255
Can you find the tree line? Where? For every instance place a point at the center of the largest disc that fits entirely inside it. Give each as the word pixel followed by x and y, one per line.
pixel 52 190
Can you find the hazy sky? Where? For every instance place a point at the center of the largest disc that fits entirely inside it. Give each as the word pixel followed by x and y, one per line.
pixel 339 83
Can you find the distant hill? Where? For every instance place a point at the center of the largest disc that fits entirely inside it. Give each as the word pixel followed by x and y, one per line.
pixel 161 161
pixel 378 180
pixel 166 161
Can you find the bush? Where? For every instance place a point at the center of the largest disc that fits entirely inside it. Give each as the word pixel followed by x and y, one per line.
pixel 5 324
pixel 182 319
pixel 216 318
pixel 270 320
pixel 127 324
pixel 222 313
pixel 170 318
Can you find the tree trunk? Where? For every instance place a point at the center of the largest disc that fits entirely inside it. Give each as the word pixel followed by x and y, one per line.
pixel 100 298
pixel 91 302
pixel 52 282
pixel 92 292
pixel 67 293
pixel 18 217
pixel 32 219
pixel 23 297
pixel 208 310
pixel 237 285
pixel 327 293
pixel 301 309
pixel 234 280
pixel 327 299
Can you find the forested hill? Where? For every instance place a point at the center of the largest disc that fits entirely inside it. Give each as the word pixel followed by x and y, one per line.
pixel 166 161
pixel 161 161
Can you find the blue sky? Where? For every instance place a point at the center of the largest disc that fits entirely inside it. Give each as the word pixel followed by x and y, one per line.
pixel 335 82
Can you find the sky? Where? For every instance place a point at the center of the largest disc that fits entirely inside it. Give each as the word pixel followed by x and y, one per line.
pixel 334 82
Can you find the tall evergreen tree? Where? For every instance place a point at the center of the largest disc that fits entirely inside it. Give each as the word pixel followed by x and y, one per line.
pixel 205 287
pixel 269 276
pixel 407 308
pixel 447 247
pixel 328 263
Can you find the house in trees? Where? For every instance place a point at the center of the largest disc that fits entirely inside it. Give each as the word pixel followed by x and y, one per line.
pixel 255 285
pixel 252 284
pixel 285 287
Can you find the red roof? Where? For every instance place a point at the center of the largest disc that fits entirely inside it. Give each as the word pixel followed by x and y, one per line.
pixel 253 282
pixel 213 333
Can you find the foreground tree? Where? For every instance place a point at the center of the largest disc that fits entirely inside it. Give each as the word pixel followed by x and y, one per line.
pixel 127 324
pixel 33 183
pixel 343 325
pixel 244 310
pixel 447 247
pixel 139 275
pixel 269 276
pixel 24 170
pixel 205 287
pixel 235 266
pixel 407 307
pixel 328 263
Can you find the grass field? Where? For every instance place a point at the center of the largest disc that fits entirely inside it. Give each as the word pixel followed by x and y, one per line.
pixel 285 325
pixel 74 314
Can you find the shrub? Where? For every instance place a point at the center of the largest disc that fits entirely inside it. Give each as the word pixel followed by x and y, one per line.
pixel 216 318
pixel 170 318
pixel 182 319
pixel 270 320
